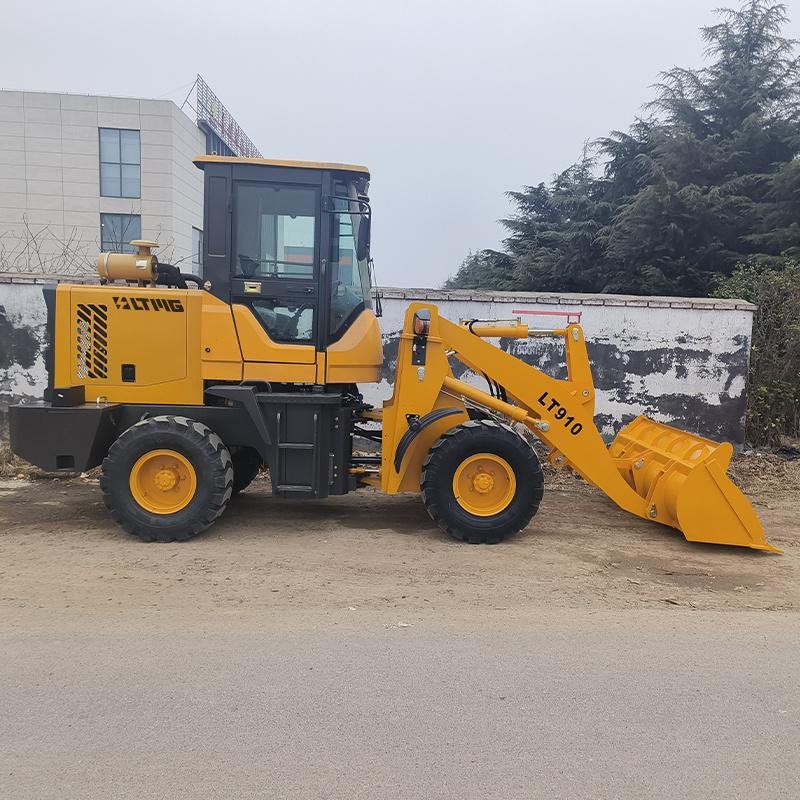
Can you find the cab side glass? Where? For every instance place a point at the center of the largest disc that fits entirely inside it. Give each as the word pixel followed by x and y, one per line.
pixel 274 231
pixel 347 284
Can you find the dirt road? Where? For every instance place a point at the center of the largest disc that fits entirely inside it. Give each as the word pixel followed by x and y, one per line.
pixel 64 563
pixel 349 649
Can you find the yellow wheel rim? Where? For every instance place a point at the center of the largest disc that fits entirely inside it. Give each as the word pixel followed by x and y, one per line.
pixel 484 484
pixel 163 481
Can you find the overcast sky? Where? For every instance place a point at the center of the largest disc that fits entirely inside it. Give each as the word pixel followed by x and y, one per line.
pixel 449 102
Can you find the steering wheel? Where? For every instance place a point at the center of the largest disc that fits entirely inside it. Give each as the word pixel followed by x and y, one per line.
pixel 249 266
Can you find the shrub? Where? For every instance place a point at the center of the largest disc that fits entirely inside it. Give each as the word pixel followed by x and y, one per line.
pixel 773 403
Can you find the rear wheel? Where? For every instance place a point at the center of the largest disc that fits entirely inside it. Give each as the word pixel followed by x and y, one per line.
pixel 167 479
pixel 482 482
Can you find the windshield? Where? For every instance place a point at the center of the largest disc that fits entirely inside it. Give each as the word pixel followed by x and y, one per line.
pixel 349 260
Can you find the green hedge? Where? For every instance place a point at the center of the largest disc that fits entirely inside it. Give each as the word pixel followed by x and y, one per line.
pixel 773 405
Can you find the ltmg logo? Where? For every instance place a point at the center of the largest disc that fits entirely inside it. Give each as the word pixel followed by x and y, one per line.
pixel 147 304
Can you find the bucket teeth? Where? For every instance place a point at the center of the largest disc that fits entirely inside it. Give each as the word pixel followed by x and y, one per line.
pixel 682 478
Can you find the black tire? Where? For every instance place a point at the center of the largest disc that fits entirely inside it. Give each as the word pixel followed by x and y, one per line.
pixel 204 451
pixel 458 445
pixel 246 465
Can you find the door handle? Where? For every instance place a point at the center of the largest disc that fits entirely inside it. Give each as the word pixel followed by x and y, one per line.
pixel 303 290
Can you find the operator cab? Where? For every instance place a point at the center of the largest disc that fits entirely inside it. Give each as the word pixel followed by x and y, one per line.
pixel 287 243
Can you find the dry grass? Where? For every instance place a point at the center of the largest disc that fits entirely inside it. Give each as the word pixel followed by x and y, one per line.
pixel 12 466
pixel 758 473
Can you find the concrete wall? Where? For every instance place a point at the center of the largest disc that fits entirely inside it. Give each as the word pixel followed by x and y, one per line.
pixel 23 318
pixel 50 201
pixel 678 360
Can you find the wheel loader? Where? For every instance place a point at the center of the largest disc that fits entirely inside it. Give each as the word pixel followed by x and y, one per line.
pixel 183 388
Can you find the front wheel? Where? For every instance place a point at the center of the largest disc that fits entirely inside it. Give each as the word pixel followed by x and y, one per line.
pixel 482 482
pixel 167 478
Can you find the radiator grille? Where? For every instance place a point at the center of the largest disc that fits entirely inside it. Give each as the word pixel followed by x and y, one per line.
pixel 92 341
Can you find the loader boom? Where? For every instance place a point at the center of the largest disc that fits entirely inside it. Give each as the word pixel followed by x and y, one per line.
pixel 686 485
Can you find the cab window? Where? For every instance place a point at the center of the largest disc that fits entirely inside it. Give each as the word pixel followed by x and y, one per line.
pixel 349 276
pixel 274 231
pixel 286 321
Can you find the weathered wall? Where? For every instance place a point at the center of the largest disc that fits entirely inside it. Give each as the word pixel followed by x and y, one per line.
pixel 678 360
pixel 22 335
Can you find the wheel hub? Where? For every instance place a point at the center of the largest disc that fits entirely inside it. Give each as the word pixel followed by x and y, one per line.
pixel 484 484
pixel 163 481
pixel 166 479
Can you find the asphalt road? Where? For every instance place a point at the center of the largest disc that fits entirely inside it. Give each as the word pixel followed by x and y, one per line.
pixel 671 704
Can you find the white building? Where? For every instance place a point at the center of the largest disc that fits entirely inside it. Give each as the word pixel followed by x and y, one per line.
pixel 80 174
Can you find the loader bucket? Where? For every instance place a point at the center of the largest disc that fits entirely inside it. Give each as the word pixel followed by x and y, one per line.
pixel 683 479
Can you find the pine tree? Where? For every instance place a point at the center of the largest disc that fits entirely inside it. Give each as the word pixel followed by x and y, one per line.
pixel 708 178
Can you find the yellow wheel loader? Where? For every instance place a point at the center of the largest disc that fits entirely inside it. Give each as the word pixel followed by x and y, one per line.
pixel 182 390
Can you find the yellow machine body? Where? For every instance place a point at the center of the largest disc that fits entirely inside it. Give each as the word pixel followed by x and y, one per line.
pixel 126 344
pixel 358 356
pixel 130 344
pixel 652 470
pixel 144 345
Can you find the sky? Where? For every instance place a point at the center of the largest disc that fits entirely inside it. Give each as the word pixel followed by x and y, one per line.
pixel 449 102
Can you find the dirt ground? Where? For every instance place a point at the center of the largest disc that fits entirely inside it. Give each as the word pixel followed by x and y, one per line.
pixel 64 564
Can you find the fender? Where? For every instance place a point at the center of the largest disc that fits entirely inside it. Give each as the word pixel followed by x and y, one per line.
pixel 415 425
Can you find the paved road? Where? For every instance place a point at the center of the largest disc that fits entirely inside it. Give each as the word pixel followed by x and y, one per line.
pixel 623 705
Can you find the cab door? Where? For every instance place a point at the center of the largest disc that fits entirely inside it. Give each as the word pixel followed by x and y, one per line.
pixel 275 276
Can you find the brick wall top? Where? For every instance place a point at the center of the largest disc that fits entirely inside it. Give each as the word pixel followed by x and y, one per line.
pixel 31 277
pixel 480 295
pixel 567 298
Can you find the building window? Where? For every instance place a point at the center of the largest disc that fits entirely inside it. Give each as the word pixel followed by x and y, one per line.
pixel 117 231
pixel 120 163
pixel 197 251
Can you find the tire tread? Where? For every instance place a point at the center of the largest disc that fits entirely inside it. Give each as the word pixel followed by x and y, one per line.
pixel 217 459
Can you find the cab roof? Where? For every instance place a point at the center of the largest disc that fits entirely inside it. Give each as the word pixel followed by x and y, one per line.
pixel 274 162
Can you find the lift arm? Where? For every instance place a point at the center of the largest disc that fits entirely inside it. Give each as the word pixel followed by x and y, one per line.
pixel 651 470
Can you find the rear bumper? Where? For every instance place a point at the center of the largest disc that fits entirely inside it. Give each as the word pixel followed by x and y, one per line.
pixel 71 439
